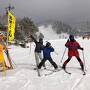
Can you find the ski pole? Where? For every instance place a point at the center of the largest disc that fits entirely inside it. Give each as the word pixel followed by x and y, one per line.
pixel 63 55
pixel 84 61
pixel 64 52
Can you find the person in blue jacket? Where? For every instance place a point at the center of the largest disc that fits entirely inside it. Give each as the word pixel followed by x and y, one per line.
pixel 46 56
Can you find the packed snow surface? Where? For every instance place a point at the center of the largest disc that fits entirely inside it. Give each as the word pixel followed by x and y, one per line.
pixel 23 77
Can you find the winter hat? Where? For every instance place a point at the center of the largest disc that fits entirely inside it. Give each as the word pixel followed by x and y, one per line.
pixel 71 37
pixel 48 44
pixel 40 39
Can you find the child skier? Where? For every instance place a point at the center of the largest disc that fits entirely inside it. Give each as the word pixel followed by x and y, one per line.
pixel 73 47
pixel 46 53
pixel 38 49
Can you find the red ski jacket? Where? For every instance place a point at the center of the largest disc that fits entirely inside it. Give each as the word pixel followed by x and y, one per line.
pixel 73 48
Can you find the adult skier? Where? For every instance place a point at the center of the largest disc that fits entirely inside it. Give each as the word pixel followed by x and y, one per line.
pixel 6 51
pixel 46 56
pixel 73 47
pixel 38 50
pixel 2 60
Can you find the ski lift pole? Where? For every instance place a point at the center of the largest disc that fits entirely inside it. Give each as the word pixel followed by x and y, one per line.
pixel 84 61
pixel 63 55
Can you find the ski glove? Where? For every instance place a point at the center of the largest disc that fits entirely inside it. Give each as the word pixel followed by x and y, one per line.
pixel 81 48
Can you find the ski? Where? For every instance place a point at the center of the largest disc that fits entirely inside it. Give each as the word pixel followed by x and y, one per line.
pixel 84 73
pixel 52 71
pixel 67 72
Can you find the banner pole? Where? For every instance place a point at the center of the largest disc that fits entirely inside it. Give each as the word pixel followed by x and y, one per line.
pixel 7 32
pixel 7 45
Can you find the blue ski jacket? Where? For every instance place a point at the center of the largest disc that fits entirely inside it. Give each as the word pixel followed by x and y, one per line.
pixel 47 52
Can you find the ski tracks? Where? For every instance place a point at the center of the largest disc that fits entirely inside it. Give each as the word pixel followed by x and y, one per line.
pixel 78 82
pixel 25 87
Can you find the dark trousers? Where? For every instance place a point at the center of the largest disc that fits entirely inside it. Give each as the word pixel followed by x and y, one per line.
pixel 50 60
pixel 79 60
pixel 37 57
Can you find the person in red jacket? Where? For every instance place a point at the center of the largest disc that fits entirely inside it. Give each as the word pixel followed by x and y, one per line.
pixel 73 47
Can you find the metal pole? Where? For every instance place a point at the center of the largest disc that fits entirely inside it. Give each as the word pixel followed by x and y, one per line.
pixel 9 8
pixel 7 32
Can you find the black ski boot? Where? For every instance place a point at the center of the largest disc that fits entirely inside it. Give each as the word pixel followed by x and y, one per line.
pixel 82 67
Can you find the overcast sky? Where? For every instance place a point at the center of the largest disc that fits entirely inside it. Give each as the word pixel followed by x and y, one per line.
pixel 39 10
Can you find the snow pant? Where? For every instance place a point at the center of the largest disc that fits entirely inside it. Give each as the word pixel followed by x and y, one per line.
pixel 79 60
pixel 50 60
pixel 37 57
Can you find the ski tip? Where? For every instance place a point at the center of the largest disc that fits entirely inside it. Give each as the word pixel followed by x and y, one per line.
pixel 67 72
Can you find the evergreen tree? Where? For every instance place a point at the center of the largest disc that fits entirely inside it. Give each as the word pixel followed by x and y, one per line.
pixel 24 28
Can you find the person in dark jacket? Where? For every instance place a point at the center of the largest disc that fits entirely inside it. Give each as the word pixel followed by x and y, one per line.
pixel 73 47
pixel 46 56
pixel 38 50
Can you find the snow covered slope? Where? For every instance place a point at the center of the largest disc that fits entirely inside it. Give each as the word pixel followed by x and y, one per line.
pixel 48 32
pixel 23 77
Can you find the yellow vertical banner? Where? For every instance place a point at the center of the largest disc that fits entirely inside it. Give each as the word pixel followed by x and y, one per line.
pixel 11 26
